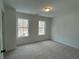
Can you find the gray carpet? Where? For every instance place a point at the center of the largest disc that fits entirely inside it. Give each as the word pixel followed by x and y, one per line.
pixel 43 50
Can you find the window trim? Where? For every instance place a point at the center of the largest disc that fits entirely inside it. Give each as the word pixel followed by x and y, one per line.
pixel 44 33
pixel 21 27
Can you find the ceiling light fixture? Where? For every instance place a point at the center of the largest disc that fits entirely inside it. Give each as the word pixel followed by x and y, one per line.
pixel 47 9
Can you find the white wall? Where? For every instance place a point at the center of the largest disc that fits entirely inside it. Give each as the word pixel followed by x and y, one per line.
pixel 65 26
pixel 1 5
pixel 1 37
pixel 9 28
pixel 33 28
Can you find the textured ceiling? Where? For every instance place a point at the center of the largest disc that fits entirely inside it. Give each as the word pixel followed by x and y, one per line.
pixel 35 6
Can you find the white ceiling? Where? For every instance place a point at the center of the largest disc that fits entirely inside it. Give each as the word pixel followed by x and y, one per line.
pixel 35 6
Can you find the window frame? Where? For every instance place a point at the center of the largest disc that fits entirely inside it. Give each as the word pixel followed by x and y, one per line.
pixel 44 27
pixel 17 27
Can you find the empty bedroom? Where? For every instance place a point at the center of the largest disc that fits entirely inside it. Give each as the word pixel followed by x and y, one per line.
pixel 39 29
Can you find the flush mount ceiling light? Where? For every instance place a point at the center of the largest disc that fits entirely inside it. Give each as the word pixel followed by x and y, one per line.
pixel 47 9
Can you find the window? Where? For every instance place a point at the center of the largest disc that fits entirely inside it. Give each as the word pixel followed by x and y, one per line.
pixel 41 27
pixel 23 27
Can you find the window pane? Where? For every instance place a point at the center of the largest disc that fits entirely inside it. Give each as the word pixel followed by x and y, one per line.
pixel 20 32
pixel 20 22
pixel 25 32
pixel 41 29
pixel 25 23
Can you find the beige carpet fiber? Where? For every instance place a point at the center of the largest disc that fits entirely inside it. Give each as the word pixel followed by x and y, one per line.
pixel 43 50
